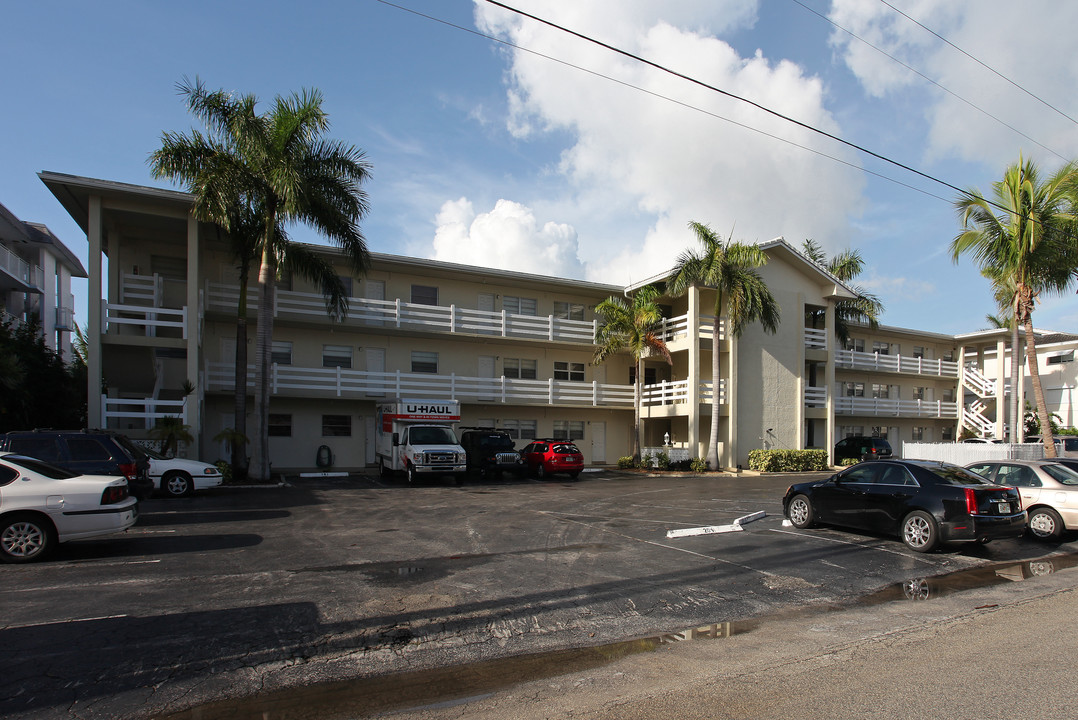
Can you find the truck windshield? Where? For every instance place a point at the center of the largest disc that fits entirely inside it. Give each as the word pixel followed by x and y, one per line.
pixel 433 436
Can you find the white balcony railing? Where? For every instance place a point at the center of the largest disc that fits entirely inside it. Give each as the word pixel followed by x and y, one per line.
pixel 815 339
pixel 142 413
pixel 149 319
pixel 975 380
pixel 412 316
pixel 854 360
pixel 876 407
pixel 676 328
pixel 346 383
pixel 815 397
pixel 21 270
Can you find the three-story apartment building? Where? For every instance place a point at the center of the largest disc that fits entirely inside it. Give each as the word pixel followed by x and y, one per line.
pixel 35 280
pixel 515 349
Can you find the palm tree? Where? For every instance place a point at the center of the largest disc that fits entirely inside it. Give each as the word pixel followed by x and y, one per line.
pixel 1023 237
pixel 631 326
pixel 279 165
pixel 866 308
pixel 730 269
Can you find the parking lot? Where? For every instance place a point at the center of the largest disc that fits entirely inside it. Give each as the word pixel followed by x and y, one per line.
pixel 244 589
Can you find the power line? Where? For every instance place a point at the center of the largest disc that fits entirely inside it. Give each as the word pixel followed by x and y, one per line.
pixel 982 64
pixel 922 75
pixel 757 105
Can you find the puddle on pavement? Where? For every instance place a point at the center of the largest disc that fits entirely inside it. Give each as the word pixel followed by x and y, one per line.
pixel 439 687
pixel 459 684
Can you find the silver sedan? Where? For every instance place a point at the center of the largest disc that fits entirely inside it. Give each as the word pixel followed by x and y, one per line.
pixel 1049 492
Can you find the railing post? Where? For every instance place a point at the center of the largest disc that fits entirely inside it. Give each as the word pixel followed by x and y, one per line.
pixel 550 328
pixel 453 318
pixel 273 377
pixel 503 389
pixel 397 312
pixel 594 393
pixel 505 323
pixel 452 386
pixel 550 390
pixel 338 381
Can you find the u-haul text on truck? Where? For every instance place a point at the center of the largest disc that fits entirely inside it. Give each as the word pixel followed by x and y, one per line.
pixel 416 437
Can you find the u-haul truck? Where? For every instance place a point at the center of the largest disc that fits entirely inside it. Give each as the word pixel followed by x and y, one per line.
pixel 416 437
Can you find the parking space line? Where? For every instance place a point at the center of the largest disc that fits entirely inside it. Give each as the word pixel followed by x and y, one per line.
pixel 912 556
pixel 57 622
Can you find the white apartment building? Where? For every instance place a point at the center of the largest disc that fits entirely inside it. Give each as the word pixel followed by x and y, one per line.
pixel 35 280
pixel 515 349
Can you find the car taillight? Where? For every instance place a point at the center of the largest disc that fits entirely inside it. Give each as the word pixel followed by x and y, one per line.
pixel 114 494
pixel 971 501
pixel 129 470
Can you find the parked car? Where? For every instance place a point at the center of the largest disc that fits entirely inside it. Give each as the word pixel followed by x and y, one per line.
pixel 1049 492
pixel 177 477
pixel 490 451
pixel 862 448
pixel 90 452
pixel 546 457
pixel 42 505
pixel 1066 445
pixel 923 502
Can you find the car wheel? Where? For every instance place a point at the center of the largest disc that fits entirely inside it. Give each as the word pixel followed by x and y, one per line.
pixel 800 512
pixel 1045 524
pixel 411 474
pixel 574 475
pixel 25 538
pixel 177 484
pixel 919 532
pixel 540 471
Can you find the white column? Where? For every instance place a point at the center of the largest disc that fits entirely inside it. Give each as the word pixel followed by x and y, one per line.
pixel 194 337
pixel 94 232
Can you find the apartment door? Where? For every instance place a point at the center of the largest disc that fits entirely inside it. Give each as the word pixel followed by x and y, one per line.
pixel 486 372
pixel 376 367
pixel 376 290
pixel 485 304
pixel 598 443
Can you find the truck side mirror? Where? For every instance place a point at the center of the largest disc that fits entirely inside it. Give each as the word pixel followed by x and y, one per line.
pixel 396 439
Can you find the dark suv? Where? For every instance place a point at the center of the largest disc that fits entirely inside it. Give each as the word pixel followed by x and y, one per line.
pixel 862 448
pixel 87 452
pixel 490 451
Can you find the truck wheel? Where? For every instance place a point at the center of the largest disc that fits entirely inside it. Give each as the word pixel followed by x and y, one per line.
pixel 411 474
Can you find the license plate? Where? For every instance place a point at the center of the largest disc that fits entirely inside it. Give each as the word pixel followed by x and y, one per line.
pixel 1004 508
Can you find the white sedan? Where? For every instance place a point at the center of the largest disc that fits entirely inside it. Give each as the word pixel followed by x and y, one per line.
pixel 42 505
pixel 177 477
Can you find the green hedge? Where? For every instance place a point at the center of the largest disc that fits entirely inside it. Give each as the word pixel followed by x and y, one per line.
pixel 787 460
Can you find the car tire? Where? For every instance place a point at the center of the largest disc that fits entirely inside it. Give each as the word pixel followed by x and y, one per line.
pixel 177 484
pixel 411 473
pixel 383 471
pixel 1045 524
pixel 574 475
pixel 540 471
pixel 920 532
pixel 800 512
pixel 26 537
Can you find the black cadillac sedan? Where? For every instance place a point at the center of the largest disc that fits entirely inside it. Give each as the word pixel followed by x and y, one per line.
pixel 923 502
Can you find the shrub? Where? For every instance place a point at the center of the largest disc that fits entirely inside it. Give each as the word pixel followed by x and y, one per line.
pixel 787 460
pixel 645 460
pixel 662 460
pixel 698 465
pixel 226 471
pixel 625 462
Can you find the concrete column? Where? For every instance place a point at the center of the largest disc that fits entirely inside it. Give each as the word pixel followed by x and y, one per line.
pixel 1001 387
pixel 94 233
pixel 960 391
pixel 829 380
pixel 194 336
pixel 694 441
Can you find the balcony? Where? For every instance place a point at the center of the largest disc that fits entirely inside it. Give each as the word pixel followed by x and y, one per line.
pixel 147 321
pixel 315 382
pixel 876 362
pixel 139 413
pixel 676 392
pixel 815 339
pixel 882 407
pixel 19 275
pixel 677 328
pixel 396 314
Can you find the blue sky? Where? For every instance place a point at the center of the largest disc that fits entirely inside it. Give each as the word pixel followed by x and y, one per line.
pixel 488 155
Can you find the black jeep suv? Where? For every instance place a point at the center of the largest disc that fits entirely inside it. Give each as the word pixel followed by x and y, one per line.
pixel 87 452
pixel 490 452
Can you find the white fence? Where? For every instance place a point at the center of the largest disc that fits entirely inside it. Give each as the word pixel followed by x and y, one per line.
pixel 966 453
pixel 854 360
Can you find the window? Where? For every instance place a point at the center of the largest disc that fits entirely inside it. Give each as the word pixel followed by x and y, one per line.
pixel 650 376
pixel 947 434
pixel 880 391
pixel 520 429
pixel 918 351
pixel 879 432
pixel 520 368
pixel 280 425
pixel 918 393
pixel 424 295
pixel 855 344
pixel 281 352
pixel 949 356
pixel 424 362
pixel 336 426
pixel 569 429
pixel 1059 358
pixel 948 395
pixel 854 389
pixel 520 306
pixel 337 356
pixel 918 434
pixel 569 371
pixel 851 431
pixel 346 283
pixel 568 311
pixel 881 348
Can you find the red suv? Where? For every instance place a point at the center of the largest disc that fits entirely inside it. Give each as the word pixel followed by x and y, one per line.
pixel 544 457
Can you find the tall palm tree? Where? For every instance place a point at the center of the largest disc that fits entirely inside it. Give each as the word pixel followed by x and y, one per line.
pixel 280 165
pixel 631 326
pixel 730 269
pixel 1023 237
pixel 866 308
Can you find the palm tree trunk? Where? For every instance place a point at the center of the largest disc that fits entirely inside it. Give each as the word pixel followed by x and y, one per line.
pixel 239 422
pixel 263 344
pixel 636 395
pixel 1038 390
pixel 1018 425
